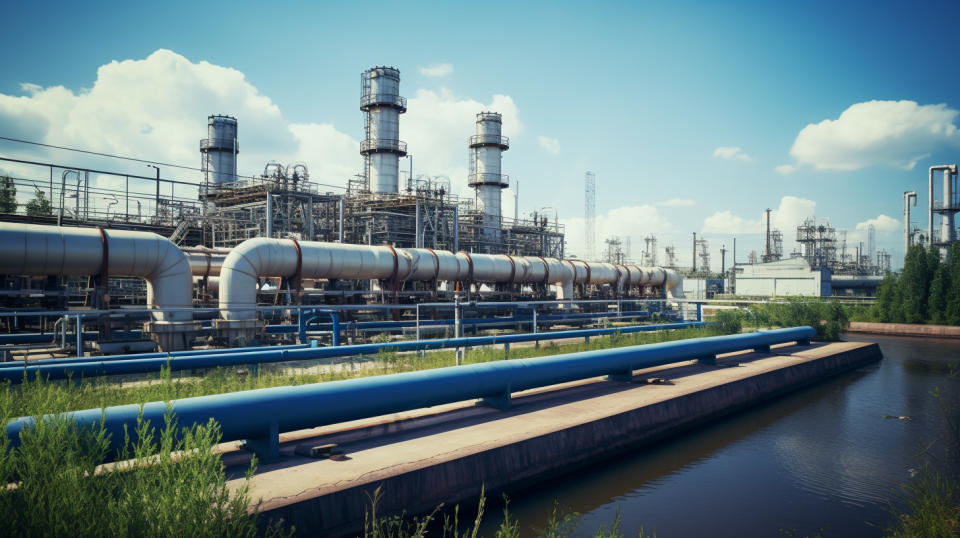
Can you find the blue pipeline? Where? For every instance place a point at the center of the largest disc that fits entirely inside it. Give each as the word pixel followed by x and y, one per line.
pixel 132 364
pixel 49 338
pixel 133 356
pixel 259 416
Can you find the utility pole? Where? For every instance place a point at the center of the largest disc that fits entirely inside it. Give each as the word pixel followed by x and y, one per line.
pixel 694 252
pixel 157 201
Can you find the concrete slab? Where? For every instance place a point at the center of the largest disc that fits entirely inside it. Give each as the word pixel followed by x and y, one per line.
pixel 905 329
pixel 447 453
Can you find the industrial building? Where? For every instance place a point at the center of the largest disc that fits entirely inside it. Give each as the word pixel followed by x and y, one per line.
pixel 278 238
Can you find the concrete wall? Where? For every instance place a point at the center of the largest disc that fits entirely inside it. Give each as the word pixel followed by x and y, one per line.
pixel 454 475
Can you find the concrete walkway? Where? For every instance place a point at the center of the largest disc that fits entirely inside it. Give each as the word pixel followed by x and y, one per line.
pixel 445 454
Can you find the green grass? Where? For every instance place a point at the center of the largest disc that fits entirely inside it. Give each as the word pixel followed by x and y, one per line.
pixel 38 396
pixel 56 484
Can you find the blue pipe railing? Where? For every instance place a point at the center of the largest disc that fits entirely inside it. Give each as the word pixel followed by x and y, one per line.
pixel 311 316
pixel 259 416
pixel 132 364
pixel 42 338
pixel 136 356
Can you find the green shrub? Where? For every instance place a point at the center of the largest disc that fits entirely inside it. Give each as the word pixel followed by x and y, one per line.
pixel 730 321
pixel 165 487
pixel 828 318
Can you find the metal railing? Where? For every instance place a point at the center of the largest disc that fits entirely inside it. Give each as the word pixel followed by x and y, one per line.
pixel 492 179
pixel 383 144
pixel 482 139
pixel 370 99
pixel 219 143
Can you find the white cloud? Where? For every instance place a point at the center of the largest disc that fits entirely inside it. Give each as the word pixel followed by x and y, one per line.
pixel 436 70
pixel 438 125
pixel 157 108
pixel 725 222
pixel 635 221
pixel 731 153
pixel 790 213
pixel 677 202
pixel 786 169
pixel 882 224
pixel 551 145
pixel 890 133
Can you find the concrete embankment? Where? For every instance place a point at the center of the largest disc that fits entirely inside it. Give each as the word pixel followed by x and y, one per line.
pixel 445 454
pixel 905 329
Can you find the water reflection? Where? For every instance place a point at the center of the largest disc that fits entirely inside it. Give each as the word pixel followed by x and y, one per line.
pixel 824 458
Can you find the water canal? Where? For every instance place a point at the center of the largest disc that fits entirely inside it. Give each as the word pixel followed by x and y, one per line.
pixel 820 461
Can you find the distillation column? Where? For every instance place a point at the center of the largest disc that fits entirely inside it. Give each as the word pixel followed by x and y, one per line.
pixel 219 150
pixel 381 102
pixel 908 196
pixel 486 149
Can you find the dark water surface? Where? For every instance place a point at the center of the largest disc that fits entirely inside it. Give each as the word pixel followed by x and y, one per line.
pixel 820 460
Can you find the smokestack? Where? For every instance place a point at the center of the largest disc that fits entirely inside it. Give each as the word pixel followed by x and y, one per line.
pixel 486 152
pixel 382 148
pixel 219 150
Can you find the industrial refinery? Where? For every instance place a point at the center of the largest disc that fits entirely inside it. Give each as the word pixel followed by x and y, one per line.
pixel 365 270
pixel 245 246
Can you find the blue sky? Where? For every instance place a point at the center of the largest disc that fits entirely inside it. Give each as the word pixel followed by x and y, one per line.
pixel 642 93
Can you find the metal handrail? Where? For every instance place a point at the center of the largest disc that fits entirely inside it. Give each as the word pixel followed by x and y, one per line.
pixel 493 179
pixel 219 143
pixel 389 144
pixel 940 204
pixel 383 99
pixel 498 140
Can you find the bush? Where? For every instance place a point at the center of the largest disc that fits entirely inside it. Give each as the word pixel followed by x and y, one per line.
pixel 166 487
pixel 828 318
pixel 729 321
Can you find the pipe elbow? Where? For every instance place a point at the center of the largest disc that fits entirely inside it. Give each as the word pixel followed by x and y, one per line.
pixel 170 282
pixel 238 279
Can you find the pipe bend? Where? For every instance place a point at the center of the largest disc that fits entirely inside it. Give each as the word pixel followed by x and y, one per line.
pixel 35 249
pixel 251 259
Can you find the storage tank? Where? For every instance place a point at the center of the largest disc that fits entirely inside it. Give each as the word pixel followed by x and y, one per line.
pixel 219 150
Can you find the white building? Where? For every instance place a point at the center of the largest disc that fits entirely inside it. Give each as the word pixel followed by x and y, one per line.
pixel 784 278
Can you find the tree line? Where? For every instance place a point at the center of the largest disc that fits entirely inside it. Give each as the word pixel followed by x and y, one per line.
pixel 927 290
pixel 39 206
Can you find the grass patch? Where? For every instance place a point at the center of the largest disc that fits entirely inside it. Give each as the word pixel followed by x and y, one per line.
pixel 56 484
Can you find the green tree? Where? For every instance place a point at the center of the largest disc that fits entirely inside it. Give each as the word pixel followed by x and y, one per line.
pixel 937 302
pixel 39 206
pixel 8 195
pixel 887 309
pixel 915 285
pixel 952 311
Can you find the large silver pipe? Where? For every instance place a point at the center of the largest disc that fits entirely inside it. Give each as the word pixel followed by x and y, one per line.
pixel 31 249
pixel 285 258
pixel 204 261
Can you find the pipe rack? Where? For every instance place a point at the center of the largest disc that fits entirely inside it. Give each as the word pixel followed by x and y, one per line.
pixel 135 364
